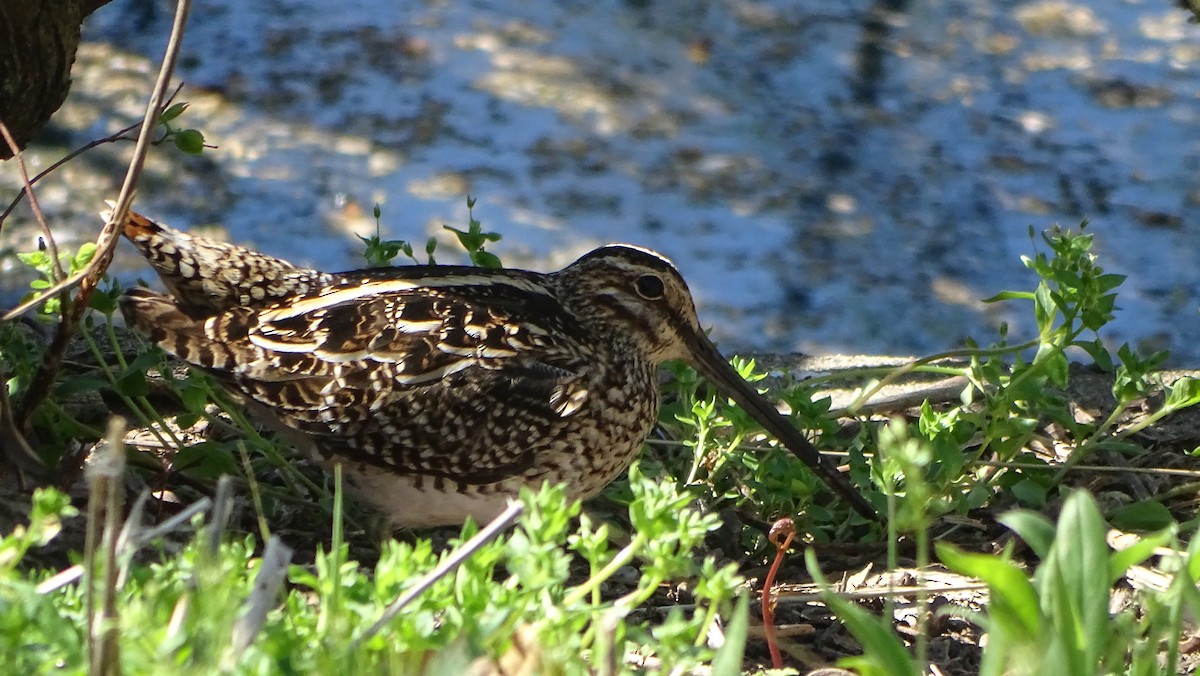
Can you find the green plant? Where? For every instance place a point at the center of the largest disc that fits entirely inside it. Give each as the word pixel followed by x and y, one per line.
pixel 1016 388
pixel 1058 621
pixel 558 593
pixel 190 141
pixel 1013 390
pixel 32 631
pixel 730 463
pixel 380 252
pixel 184 609
pixel 474 239
pixel 49 271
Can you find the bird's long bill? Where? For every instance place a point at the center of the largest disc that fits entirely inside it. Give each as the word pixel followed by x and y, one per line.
pixel 709 363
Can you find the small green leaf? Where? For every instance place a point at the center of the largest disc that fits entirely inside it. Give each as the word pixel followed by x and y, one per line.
pixel 1099 354
pixel 1144 515
pixel 132 383
pixel 1183 393
pixel 105 300
pixel 1121 561
pixel 70 386
pixel 484 259
pixel 145 361
pixel 1110 281
pixel 1009 295
pixel 80 260
pixel 38 260
pixel 1056 367
pixel 207 459
pixel 173 112
pixel 1014 601
pixel 1036 530
pixel 1044 308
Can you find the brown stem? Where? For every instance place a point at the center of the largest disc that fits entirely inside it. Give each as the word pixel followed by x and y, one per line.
pixel 786 529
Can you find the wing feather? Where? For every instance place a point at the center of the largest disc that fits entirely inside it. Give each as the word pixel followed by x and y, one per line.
pixel 427 379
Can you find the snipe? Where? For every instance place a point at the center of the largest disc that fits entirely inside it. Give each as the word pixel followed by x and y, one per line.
pixel 441 389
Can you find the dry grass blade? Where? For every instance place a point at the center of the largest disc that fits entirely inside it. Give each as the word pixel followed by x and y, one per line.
pixel 127 546
pixel 106 493
pixel 123 553
pixel 267 584
pixel 222 510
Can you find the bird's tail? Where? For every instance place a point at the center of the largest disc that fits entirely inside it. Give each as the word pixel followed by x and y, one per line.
pixel 208 275
pixel 192 337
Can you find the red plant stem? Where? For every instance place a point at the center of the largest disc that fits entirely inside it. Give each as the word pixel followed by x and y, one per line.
pixel 782 527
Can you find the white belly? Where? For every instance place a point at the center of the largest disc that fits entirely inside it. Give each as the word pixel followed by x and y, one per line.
pixel 411 502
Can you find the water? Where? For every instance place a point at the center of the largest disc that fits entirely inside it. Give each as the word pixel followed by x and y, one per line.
pixel 830 177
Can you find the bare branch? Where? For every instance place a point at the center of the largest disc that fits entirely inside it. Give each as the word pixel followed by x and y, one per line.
pixel 89 277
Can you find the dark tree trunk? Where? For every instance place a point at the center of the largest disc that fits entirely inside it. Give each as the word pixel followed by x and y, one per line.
pixel 38 39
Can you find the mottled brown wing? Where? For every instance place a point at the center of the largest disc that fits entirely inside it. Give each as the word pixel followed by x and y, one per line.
pixel 475 426
pixel 423 376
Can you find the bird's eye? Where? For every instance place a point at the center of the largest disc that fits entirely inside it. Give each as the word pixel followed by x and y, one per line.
pixel 650 287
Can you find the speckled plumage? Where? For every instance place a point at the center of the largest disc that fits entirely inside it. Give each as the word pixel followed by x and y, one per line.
pixel 442 389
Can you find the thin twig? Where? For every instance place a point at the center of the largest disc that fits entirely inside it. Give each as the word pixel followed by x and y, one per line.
pixel 56 270
pixel 788 598
pixel 965 353
pixel 107 241
pixel 13 422
pixel 129 533
pixel 1168 471
pixel 221 512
